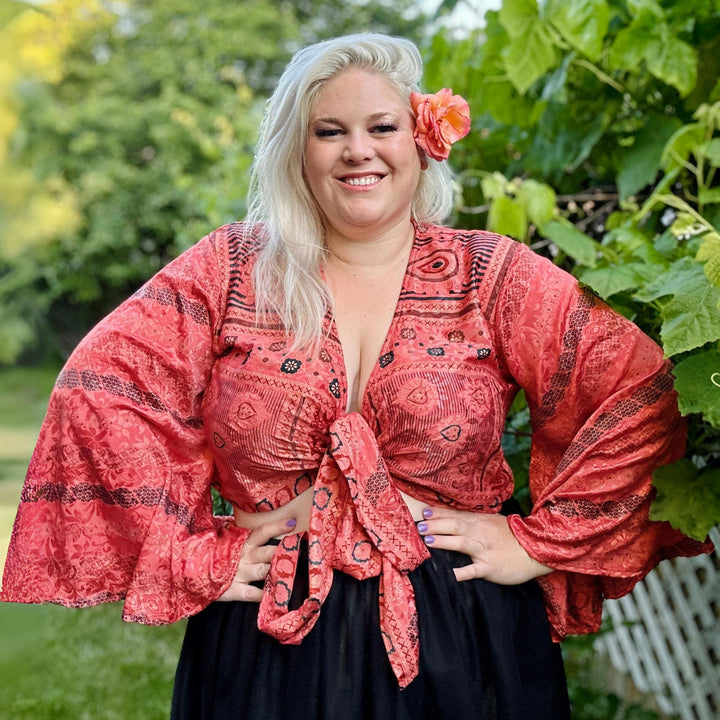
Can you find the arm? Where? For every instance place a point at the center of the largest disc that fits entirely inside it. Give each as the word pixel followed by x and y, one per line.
pixel 117 498
pixel 604 417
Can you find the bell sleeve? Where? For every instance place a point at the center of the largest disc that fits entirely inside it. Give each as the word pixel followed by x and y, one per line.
pixel 604 416
pixel 117 503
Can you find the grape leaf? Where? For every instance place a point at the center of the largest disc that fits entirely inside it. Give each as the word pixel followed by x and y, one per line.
pixel 538 200
pixel 531 51
pixel 582 23
pixel 697 380
pixel 692 317
pixel 688 500
pixel 609 281
pixel 572 241
pixel 640 164
pixel 507 217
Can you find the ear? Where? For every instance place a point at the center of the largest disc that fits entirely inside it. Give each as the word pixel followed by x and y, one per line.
pixel 423 158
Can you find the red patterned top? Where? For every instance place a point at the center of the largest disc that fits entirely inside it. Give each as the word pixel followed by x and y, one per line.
pixel 180 388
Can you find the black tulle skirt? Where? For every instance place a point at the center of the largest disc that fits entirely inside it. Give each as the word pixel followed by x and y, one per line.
pixel 485 654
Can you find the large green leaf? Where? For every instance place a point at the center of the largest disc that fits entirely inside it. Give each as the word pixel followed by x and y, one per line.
pixel 673 61
pixel 517 16
pixel 697 380
pixel 692 317
pixel 572 241
pixel 507 217
pixel 649 39
pixel 688 500
pixel 609 281
pixel 686 141
pixel 531 51
pixel 639 164
pixel 538 200
pixel 583 23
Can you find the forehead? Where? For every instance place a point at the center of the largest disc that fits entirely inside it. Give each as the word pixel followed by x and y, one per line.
pixel 356 88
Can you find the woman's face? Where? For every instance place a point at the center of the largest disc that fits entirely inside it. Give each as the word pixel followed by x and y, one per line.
pixel 361 162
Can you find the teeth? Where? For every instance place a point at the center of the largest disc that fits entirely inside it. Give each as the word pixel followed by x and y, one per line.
pixel 368 180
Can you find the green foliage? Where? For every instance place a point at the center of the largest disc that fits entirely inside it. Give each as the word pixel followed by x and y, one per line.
pixel 598 137
pixel 134 143
pixel 700 496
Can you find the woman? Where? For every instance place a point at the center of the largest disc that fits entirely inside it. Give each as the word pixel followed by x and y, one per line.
pixel 340 368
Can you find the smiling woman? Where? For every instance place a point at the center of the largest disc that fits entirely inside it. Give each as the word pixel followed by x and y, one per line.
pixel 340 368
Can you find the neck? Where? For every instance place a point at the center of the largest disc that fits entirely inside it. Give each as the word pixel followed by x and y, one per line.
pixel 374 251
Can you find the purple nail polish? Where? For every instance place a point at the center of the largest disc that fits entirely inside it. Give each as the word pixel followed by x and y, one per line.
pixel 429 539
pixel 292 522
pixel 427 513
pixel 422 527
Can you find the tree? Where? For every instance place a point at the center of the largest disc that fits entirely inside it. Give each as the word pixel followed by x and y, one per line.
pixel 131 132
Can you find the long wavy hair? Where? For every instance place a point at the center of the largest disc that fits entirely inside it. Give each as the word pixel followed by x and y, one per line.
pixel 287 275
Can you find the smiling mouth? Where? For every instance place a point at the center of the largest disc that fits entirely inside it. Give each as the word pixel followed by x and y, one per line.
pixel 364 180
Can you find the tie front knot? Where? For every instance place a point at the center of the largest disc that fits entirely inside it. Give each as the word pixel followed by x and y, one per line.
pixel 360 525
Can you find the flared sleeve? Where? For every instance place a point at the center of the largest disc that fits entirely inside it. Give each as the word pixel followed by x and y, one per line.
pixel 604 416
pixel 117 503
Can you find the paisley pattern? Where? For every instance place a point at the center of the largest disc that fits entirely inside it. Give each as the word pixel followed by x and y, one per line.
pixel 183 388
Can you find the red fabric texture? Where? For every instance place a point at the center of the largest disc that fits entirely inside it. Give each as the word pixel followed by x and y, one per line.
pixel 182 388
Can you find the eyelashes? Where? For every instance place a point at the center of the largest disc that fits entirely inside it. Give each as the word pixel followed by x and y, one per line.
pixel 381 129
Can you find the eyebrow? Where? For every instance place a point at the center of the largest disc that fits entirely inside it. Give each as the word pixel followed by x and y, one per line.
pixel 372 118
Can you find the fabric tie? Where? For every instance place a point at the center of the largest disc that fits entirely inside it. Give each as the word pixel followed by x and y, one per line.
pixel 359 524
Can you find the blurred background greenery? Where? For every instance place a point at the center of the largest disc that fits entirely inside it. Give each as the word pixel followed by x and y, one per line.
pixel 126 133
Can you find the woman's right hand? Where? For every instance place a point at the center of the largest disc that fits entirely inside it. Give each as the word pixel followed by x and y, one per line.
pixel 255 560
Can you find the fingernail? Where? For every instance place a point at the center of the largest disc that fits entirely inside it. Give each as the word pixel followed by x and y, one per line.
pixel 422 527
pixel 429 539
pixel 427 513
pixel 292 522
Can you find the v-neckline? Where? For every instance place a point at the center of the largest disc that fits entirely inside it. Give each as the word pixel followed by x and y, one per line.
pixel 334 332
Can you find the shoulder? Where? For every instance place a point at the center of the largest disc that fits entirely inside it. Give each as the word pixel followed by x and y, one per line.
pixel 484 259
pixel 239 241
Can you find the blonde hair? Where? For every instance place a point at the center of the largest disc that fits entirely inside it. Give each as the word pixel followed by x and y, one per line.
pixel 287 273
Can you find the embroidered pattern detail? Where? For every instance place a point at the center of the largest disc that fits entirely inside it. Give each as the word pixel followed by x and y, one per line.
pixel 577 320
pixel 591 510
pixel 641 397
pixel 165 296
pixel 290 366
pixel 91 381
pixel 123 497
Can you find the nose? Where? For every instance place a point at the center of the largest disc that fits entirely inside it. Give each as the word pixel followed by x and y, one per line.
pixel 358 147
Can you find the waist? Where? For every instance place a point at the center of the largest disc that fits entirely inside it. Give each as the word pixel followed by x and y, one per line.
pixel 300 507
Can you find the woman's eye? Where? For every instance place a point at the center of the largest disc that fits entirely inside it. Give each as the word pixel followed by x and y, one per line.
pixel 388 128
pixel 326 132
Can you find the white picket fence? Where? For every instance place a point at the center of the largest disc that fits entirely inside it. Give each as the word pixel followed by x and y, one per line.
pixel 666 635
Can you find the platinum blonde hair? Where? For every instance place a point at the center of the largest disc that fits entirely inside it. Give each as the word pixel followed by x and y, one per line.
pixel 287 274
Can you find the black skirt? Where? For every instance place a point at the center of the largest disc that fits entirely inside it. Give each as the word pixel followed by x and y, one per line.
pixel 485 654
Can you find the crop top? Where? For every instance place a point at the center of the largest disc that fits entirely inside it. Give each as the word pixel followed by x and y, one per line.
pixel 184 386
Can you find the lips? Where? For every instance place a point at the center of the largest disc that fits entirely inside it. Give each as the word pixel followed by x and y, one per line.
pixel 362 180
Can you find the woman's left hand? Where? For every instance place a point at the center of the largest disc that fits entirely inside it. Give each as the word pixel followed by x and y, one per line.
pixel 495 553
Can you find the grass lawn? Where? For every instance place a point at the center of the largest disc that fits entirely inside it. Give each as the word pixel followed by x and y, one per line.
pixel 63 664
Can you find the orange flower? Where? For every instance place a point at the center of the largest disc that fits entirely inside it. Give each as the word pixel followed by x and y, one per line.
pixel 440 120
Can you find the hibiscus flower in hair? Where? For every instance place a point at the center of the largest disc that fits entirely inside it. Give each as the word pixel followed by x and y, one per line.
pixel 441 119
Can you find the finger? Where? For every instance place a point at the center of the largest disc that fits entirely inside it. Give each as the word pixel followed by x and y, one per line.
pixel 470 572
pixel 442 526
pixel 458 543
pixel 262 554
pixel 267 531
pixel 243 592
pixel 251 572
